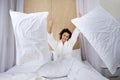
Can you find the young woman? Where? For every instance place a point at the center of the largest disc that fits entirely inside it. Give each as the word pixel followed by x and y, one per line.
pixel 62 48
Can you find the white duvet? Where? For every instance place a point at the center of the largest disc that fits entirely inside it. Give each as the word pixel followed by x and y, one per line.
pixel 84 72
pixel 17 76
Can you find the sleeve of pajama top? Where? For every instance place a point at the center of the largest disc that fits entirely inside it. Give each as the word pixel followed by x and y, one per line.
pixel 52 42
pixel 74 37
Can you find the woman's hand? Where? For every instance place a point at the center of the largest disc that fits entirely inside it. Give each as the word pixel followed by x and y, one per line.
pixel 79 14
pixel 50 25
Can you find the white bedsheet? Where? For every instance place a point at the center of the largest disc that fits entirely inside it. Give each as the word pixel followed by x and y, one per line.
pixel 79 71
pixel 20 76
pixel 17 76
pixel 86 72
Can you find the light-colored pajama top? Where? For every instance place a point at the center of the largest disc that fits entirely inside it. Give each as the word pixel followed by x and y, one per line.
pixel 61 51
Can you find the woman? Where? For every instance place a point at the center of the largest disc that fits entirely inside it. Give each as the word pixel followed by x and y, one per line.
pixel 62 48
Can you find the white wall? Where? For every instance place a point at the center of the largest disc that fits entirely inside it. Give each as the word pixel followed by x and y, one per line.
pixel 112 6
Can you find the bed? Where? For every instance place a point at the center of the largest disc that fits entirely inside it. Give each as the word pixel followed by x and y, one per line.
pixel 30 72
pixel 32 51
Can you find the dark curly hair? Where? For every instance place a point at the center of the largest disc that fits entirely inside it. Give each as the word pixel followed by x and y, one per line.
pixel 63 31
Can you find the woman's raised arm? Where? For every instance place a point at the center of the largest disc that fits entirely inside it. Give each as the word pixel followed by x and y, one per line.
pixel 50 25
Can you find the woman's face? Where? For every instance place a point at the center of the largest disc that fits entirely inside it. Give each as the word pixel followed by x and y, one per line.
pixel 65 37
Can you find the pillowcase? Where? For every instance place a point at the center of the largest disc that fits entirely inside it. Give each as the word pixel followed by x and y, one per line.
pixel 30 32
pixel 76 53
pixel 103 33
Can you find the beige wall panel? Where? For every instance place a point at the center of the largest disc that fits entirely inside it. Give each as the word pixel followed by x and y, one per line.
pixel 112 6
pixel 37 6
pixel 61 11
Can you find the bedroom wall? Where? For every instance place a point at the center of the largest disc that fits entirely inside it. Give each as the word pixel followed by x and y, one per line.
pixel 62 11
pixel 113 7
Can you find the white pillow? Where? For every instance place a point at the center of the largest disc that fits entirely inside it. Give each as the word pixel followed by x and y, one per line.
pixel 103 33
pixel 31 37
pixel 77 54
